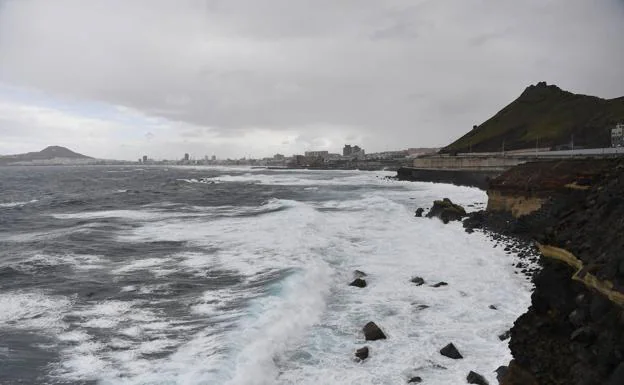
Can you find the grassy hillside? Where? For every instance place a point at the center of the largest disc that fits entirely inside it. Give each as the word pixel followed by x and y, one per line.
pixel 548 116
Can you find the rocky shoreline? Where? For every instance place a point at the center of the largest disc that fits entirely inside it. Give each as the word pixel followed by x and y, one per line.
pixel 525 262
pixel 573 332
pixel 563 221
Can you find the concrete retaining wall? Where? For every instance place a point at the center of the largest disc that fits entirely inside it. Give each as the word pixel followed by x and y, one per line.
pixel 471 178
pixel 466 163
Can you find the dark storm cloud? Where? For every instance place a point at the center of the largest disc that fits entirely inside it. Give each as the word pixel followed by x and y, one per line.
pixel 390 73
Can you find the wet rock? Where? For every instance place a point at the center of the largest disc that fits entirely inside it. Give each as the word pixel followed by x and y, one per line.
pixel 476 378
pixel 358 282
pixel 362 353
pixel 372 332
pixel 451 351
pixel 493 307
pixel 583 335
pixel 422 307
pixel 617 377
pixel 419 212
pixel 577 317
pixel 505 336
pixel 500 373
pixel 418 281
pixel 599 307
pixel 414 380
pixel 475 220
pixel 440 284
pixel 446 211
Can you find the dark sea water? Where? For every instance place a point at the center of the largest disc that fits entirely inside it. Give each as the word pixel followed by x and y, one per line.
pixel 127 275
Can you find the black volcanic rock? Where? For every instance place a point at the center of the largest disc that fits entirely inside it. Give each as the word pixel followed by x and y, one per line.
pixel 414 380
pixel 476 378
pixel 505 336
pixel 362 353
pixel 358 282
pixel 418 281
pixel 419 212
pixel 500 373
pixel 451 351
pixel 446 211
pixel 617 377
pixel 372 332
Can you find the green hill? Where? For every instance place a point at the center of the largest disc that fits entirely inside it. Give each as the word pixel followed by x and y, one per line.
pixel 546 116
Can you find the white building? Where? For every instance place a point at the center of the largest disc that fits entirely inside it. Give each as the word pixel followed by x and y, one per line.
pixel 316 154
pixel 617 135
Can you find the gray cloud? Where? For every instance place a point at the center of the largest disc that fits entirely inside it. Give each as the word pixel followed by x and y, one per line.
pixel 392 73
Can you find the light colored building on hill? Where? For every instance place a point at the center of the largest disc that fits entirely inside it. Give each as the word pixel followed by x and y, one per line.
pixel 617 135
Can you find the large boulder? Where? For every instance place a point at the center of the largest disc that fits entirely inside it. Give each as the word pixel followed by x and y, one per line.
pixel 419 212
pixel 372 332
pixel 451 351
pixel 418 281
pixel 446 211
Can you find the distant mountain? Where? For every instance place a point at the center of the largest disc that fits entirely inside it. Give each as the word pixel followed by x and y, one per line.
pixel 545 116
pixel 49 155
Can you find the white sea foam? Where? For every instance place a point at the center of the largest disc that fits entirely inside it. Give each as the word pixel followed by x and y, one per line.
pixel 76 261
pixel 33 311
pixel 299 178
pixel 305 325
pixel 17 204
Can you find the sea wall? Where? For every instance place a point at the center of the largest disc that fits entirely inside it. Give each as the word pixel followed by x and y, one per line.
pixel 485 163
pixel 573 332
pixel 470 178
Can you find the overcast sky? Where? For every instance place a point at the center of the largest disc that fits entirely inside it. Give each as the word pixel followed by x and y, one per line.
pixel 123 78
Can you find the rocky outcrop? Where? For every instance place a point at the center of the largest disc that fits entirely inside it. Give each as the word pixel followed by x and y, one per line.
pixel 524 189
pixel 446 211
pixel 573 332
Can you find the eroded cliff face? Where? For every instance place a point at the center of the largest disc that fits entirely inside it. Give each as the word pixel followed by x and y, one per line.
pixel 524 189
pixel 516 204
pixel 573 332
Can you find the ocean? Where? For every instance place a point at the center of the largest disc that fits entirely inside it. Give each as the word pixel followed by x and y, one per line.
pixel 196 275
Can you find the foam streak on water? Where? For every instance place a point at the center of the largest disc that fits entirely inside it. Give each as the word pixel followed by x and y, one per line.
pixel 234 277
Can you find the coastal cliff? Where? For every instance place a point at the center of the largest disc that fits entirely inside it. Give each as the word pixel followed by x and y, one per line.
pixel 573 332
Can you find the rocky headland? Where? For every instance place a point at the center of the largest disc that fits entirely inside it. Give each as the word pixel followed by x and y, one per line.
pixel 572 212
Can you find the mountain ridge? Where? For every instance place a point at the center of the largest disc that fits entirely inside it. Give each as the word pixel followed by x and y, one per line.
pixel 545 116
